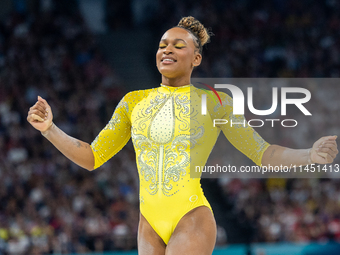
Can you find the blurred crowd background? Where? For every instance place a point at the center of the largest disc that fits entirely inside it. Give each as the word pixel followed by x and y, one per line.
pixel 48 48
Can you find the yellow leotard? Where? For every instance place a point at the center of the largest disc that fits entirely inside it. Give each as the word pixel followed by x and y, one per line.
pixel 169 135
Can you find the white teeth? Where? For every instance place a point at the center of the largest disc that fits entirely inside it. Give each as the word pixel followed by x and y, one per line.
pixel 168 59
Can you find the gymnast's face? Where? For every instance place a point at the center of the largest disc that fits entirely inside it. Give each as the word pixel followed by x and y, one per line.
pixel 177 54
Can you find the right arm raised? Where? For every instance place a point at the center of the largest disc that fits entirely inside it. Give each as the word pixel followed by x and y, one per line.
pixel 40 117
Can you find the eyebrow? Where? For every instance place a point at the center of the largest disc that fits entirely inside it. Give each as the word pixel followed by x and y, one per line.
pixel 177 39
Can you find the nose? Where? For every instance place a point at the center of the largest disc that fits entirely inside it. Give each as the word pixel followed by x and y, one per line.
pixel 168 49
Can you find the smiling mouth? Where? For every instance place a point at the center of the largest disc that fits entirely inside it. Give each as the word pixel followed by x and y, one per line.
pixel 168 61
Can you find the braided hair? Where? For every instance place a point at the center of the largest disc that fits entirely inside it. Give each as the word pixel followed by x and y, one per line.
pixel 200 34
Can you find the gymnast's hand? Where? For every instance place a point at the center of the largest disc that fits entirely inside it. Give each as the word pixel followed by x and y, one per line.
pixel 40 115
pixel 324 150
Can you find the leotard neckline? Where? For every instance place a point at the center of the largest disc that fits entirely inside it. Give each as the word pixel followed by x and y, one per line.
pixel 181 89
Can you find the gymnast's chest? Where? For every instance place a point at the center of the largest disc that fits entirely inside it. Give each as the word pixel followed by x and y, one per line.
pixel 161 118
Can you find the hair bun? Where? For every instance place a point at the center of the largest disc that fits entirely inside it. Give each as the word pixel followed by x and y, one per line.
pixel 196 28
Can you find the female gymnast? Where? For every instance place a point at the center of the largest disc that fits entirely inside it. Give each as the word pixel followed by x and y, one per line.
pixel 169 134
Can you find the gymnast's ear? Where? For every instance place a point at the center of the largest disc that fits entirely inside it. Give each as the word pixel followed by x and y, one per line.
pixel 197 59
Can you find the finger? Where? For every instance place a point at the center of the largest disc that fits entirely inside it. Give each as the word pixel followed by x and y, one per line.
pixel 36 117
pixel 37 112
pixel 327 157
pixel 40 107
pixel 44 102
pixel 326 138
pixel 327 151
pixel 321 159
pixel 29 118
pixel 330 138
pixel 329 146
pixel 40 104
pixel 319 142
pixel 324 158
pixel 329 142
pixel 322 154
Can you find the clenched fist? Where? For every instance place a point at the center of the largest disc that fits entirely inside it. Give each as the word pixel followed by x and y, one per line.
pixel 40 115
pixel 324 150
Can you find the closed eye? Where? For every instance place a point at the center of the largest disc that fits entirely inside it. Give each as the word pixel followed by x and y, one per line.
pixel 177 47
